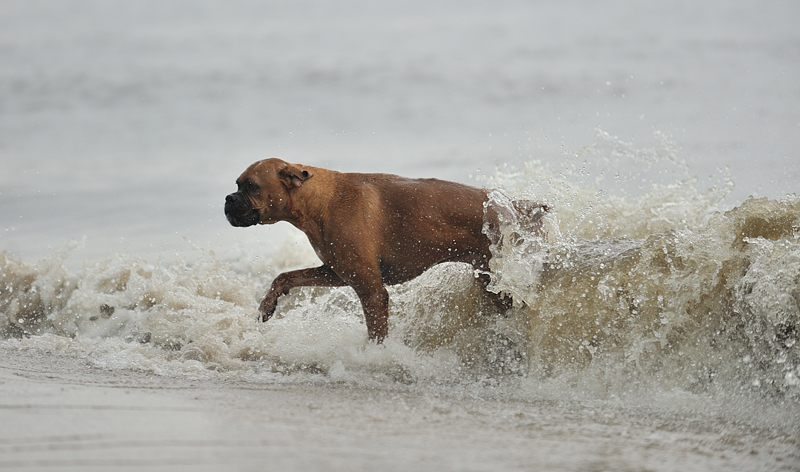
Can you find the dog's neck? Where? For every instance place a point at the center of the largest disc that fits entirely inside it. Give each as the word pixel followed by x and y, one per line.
pixel 312 197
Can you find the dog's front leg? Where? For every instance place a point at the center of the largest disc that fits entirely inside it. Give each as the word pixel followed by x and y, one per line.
pixel 322 276
pixel 376 314
pixel 375 302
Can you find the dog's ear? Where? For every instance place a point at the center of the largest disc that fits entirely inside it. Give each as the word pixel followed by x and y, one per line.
pixel 293 176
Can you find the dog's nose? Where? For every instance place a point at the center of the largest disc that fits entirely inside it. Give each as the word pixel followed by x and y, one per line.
pixel 230 199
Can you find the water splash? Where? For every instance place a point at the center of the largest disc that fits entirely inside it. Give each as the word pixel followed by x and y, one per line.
pixel 653 288
pixel 661 289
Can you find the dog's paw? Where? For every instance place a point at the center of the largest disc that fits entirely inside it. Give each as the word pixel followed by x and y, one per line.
pixel 267 307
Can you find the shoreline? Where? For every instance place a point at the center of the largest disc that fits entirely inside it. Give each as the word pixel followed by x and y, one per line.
pixel 61 412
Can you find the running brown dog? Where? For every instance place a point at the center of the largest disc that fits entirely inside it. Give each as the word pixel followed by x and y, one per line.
pixel 369 230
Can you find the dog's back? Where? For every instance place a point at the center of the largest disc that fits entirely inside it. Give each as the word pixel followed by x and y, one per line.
pixel 422 222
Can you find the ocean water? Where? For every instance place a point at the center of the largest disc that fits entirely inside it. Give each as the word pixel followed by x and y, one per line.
pixel 664 136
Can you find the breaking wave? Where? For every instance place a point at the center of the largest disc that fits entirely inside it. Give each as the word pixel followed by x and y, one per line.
pixel 655 290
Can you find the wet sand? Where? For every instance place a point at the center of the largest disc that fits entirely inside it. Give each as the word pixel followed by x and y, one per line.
pixel 61 413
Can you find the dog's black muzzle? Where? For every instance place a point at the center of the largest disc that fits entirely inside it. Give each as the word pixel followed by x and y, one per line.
pixel 239 211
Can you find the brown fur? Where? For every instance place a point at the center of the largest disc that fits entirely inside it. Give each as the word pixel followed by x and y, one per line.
pixel 369 230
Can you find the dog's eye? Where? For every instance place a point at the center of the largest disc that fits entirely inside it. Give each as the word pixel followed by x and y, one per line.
pixel 251 187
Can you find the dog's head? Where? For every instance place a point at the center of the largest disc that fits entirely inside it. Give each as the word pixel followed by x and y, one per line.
pixel 264 194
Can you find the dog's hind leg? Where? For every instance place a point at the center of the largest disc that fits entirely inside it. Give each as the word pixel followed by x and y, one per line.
pixel 501 301
pixel 531 215
pixel 481 265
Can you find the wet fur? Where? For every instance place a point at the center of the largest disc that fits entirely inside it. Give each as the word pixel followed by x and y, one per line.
pixel 369 230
